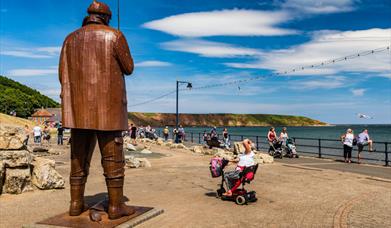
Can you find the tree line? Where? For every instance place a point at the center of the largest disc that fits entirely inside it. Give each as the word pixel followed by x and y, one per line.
pixel 21 99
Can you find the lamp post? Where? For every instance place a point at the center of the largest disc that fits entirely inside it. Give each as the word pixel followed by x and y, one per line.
pixel 189 86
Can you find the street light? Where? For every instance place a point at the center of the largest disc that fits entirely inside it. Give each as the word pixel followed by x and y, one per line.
pixel 189 86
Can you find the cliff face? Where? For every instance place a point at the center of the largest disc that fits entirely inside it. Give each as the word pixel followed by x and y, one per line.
pixel 229 120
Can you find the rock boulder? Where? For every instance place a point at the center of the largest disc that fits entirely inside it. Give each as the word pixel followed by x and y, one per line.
pixel 15 158
pixel 17 180
pixel 130 147
pixel 45 176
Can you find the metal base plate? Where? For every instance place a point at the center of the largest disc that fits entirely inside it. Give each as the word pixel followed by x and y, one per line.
pixel 63 220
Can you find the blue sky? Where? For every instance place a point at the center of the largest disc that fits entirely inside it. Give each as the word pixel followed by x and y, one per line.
pixel 210 41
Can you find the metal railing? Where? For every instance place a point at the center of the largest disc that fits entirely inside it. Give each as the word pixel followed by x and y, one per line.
pixel 316 147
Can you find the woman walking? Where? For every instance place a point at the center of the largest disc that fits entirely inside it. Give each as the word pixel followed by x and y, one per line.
pixel 347 140
pixel 271 138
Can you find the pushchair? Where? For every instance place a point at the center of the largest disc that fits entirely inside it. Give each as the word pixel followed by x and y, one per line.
pixel 291 149
pixel 241 196
pixel 275 149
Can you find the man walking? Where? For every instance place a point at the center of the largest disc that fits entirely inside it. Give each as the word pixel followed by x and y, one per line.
pixel 93 62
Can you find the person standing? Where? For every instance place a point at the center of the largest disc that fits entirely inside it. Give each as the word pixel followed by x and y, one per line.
pixel 27 132
pixel 181 134
pixel 133 133
pixel 166 132
pixel 37 132
pixel 347 141
pixel 271 138
pixel 362 141
pixel 60 135
pixel 226 138
pixel 93 62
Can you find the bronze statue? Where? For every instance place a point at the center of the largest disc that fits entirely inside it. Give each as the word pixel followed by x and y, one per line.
pixel 93 62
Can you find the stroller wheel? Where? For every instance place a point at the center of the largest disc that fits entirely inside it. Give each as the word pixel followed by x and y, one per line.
pixel 240 200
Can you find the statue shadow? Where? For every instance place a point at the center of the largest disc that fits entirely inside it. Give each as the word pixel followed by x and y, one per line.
pixel 103 196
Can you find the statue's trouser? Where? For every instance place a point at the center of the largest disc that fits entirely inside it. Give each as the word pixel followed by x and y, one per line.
pixel 113 162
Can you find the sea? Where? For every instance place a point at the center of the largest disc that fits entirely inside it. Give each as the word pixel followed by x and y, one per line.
pixel 307 139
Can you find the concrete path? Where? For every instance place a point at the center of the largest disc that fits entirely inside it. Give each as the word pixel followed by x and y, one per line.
pixel 376 171
pixel 291 193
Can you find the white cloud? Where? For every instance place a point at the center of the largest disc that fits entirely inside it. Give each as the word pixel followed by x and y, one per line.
pixel 235 22
pixel 33 72
pixel 326 83
pixel 208 48
pixel 153 64
pixel 319 6
pixel 326 45
pixel 358 92
pixel 34 52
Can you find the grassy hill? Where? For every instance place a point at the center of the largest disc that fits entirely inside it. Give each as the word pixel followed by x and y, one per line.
pixel 22 99
pixel 161 119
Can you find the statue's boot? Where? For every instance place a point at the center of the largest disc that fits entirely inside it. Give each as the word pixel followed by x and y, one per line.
pixel 77 205
pixel 117 208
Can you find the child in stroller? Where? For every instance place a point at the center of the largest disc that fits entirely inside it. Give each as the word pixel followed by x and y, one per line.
pixel 244 173
pixel 275 149
pixel 291 149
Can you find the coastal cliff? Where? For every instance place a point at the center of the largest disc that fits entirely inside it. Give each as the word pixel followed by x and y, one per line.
pixel 228 120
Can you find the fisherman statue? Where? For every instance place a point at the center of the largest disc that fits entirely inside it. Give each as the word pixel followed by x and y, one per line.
pixel 93 62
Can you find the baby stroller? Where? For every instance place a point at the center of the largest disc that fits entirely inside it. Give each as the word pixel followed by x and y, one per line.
pixel 291 149
pixel 276 149
pixel 241 196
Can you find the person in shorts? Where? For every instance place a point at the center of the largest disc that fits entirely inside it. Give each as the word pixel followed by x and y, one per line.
pixel 37 132
pixel 362 141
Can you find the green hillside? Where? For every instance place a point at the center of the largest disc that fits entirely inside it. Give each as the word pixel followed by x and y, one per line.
pixel 161 119
pixel 21 99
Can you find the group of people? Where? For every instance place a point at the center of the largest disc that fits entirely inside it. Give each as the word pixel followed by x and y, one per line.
pixel 150 132
pixel 349 140
pixel 43 135
pixel 272 137
pixel 212 138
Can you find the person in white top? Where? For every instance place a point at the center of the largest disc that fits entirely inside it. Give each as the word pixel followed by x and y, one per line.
pixel 245 160
pixel 283 136
pixel 347 141
pixel 37 132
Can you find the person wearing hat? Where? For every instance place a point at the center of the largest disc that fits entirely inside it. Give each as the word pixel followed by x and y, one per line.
pixel 93 62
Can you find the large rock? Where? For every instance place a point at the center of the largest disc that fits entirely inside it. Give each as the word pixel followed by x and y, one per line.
pixel 132 162
pixel 168 144
pixel 45 176
pixel 266 158
pixel 146 151
pixel 178 146
pixel 17 180
pixel 238 148
pixel 11 138
pixel 144 162
pixel 159 142
pixel 15 158
pixel 198 149
pixel 223 154
pixel 130 147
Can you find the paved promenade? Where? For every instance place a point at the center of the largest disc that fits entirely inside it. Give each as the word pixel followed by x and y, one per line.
pixel 303 192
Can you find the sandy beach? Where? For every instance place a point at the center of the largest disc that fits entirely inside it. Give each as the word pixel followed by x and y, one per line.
pixel 180 183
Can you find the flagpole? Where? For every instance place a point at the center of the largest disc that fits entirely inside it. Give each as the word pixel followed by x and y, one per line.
pixel 118 12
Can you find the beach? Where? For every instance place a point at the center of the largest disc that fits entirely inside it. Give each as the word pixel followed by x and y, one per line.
pixel 179 182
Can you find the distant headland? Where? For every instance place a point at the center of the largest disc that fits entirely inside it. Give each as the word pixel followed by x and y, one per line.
pixel 221 119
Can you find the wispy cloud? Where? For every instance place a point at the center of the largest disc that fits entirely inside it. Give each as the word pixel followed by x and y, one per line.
pixel 358 92
pixel 318 7
pixel 33 52
pixel 208 48
pixel 324 83
pixel 235 22
pixel 326 45
pixel 33 72
pixel 153 64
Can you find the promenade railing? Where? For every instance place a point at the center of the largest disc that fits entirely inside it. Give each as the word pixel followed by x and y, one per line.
pixel 315 147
